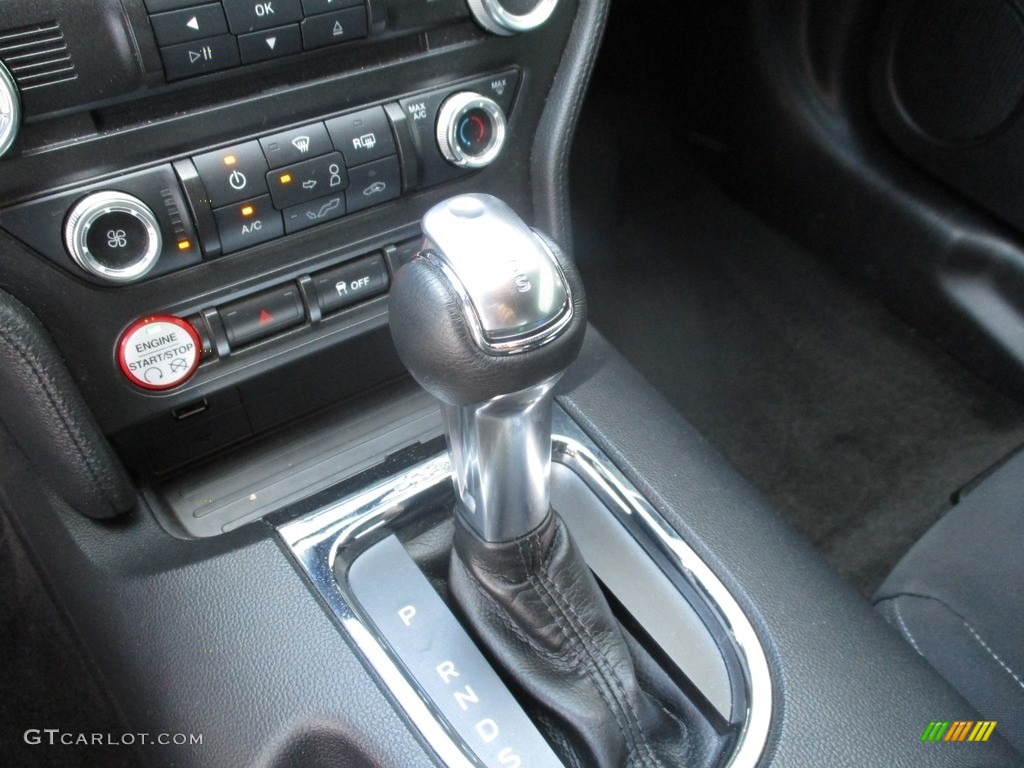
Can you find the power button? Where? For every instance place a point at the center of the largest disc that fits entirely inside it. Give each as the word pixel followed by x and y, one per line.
pixel 233 174
pixel 159 352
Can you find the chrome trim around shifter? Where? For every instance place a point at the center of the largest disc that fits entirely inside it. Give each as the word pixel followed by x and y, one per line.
pixel 572 447
pixel 315 540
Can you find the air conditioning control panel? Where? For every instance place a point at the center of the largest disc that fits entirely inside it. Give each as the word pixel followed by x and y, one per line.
pixel 147 223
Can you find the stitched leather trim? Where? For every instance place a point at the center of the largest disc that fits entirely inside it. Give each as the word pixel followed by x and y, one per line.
pixel 589 652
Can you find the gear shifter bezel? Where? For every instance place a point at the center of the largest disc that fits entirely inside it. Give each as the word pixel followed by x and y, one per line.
pixel 315 541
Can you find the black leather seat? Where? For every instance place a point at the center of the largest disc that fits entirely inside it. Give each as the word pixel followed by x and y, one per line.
pixel 958 598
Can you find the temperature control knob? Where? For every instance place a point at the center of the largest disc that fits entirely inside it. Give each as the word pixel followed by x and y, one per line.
pixel 507 17
pixel 10 110
pixel 470 130
pixel 113 236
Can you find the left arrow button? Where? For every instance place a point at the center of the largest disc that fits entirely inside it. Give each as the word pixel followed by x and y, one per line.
pixel 189 24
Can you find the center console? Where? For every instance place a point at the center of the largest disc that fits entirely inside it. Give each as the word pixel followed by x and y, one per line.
pixel 246 508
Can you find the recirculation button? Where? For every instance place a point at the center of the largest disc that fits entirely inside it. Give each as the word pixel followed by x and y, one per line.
pixel 159 352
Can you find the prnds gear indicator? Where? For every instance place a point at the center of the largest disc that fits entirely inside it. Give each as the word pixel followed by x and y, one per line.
pixel 159 352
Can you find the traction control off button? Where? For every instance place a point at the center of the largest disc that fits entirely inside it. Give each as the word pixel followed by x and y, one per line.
pixel 159 352
pixel 350 283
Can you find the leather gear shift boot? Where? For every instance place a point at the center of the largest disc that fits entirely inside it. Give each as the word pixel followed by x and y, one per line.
pixel 538 610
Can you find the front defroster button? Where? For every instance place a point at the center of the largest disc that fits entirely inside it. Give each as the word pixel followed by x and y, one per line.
pixel 262 315
pixel 296 145
pixel 248 223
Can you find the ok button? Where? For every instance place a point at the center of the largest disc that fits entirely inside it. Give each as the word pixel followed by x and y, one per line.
pixel 251 15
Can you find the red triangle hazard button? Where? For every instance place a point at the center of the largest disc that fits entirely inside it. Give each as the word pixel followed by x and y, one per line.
pixel 265 317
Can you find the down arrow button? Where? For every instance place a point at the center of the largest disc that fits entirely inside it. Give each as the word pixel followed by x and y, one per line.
pixel 270 44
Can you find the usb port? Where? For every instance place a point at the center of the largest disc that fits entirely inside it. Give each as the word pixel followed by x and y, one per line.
pixel 190 410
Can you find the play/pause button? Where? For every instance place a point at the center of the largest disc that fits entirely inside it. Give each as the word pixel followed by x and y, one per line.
pixel 197 58
pixel 270 43
pixel 189 24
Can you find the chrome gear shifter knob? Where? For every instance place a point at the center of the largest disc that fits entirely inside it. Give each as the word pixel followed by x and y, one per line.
pixel 487 317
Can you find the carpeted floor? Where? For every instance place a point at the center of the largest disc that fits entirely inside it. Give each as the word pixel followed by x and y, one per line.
pixel 853 425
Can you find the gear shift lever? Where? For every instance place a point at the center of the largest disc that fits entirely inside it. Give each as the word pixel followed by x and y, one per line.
pixel 487 317
pixel 504 318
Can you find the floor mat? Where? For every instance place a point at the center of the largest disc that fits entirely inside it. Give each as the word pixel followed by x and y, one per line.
pixel 854 426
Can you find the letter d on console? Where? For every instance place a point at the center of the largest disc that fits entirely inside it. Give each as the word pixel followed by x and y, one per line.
pixel 488 730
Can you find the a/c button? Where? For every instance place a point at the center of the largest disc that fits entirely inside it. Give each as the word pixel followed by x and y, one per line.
pixel 248 223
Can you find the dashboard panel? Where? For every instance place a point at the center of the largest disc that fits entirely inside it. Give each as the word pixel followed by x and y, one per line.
pixel 208 230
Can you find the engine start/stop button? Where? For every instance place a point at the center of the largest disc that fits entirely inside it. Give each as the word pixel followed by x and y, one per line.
pixel 159 352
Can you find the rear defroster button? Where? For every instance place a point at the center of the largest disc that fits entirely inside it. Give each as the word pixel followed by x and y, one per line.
pixel 159 352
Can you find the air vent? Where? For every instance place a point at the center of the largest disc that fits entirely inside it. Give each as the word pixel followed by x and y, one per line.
pixel 37 55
